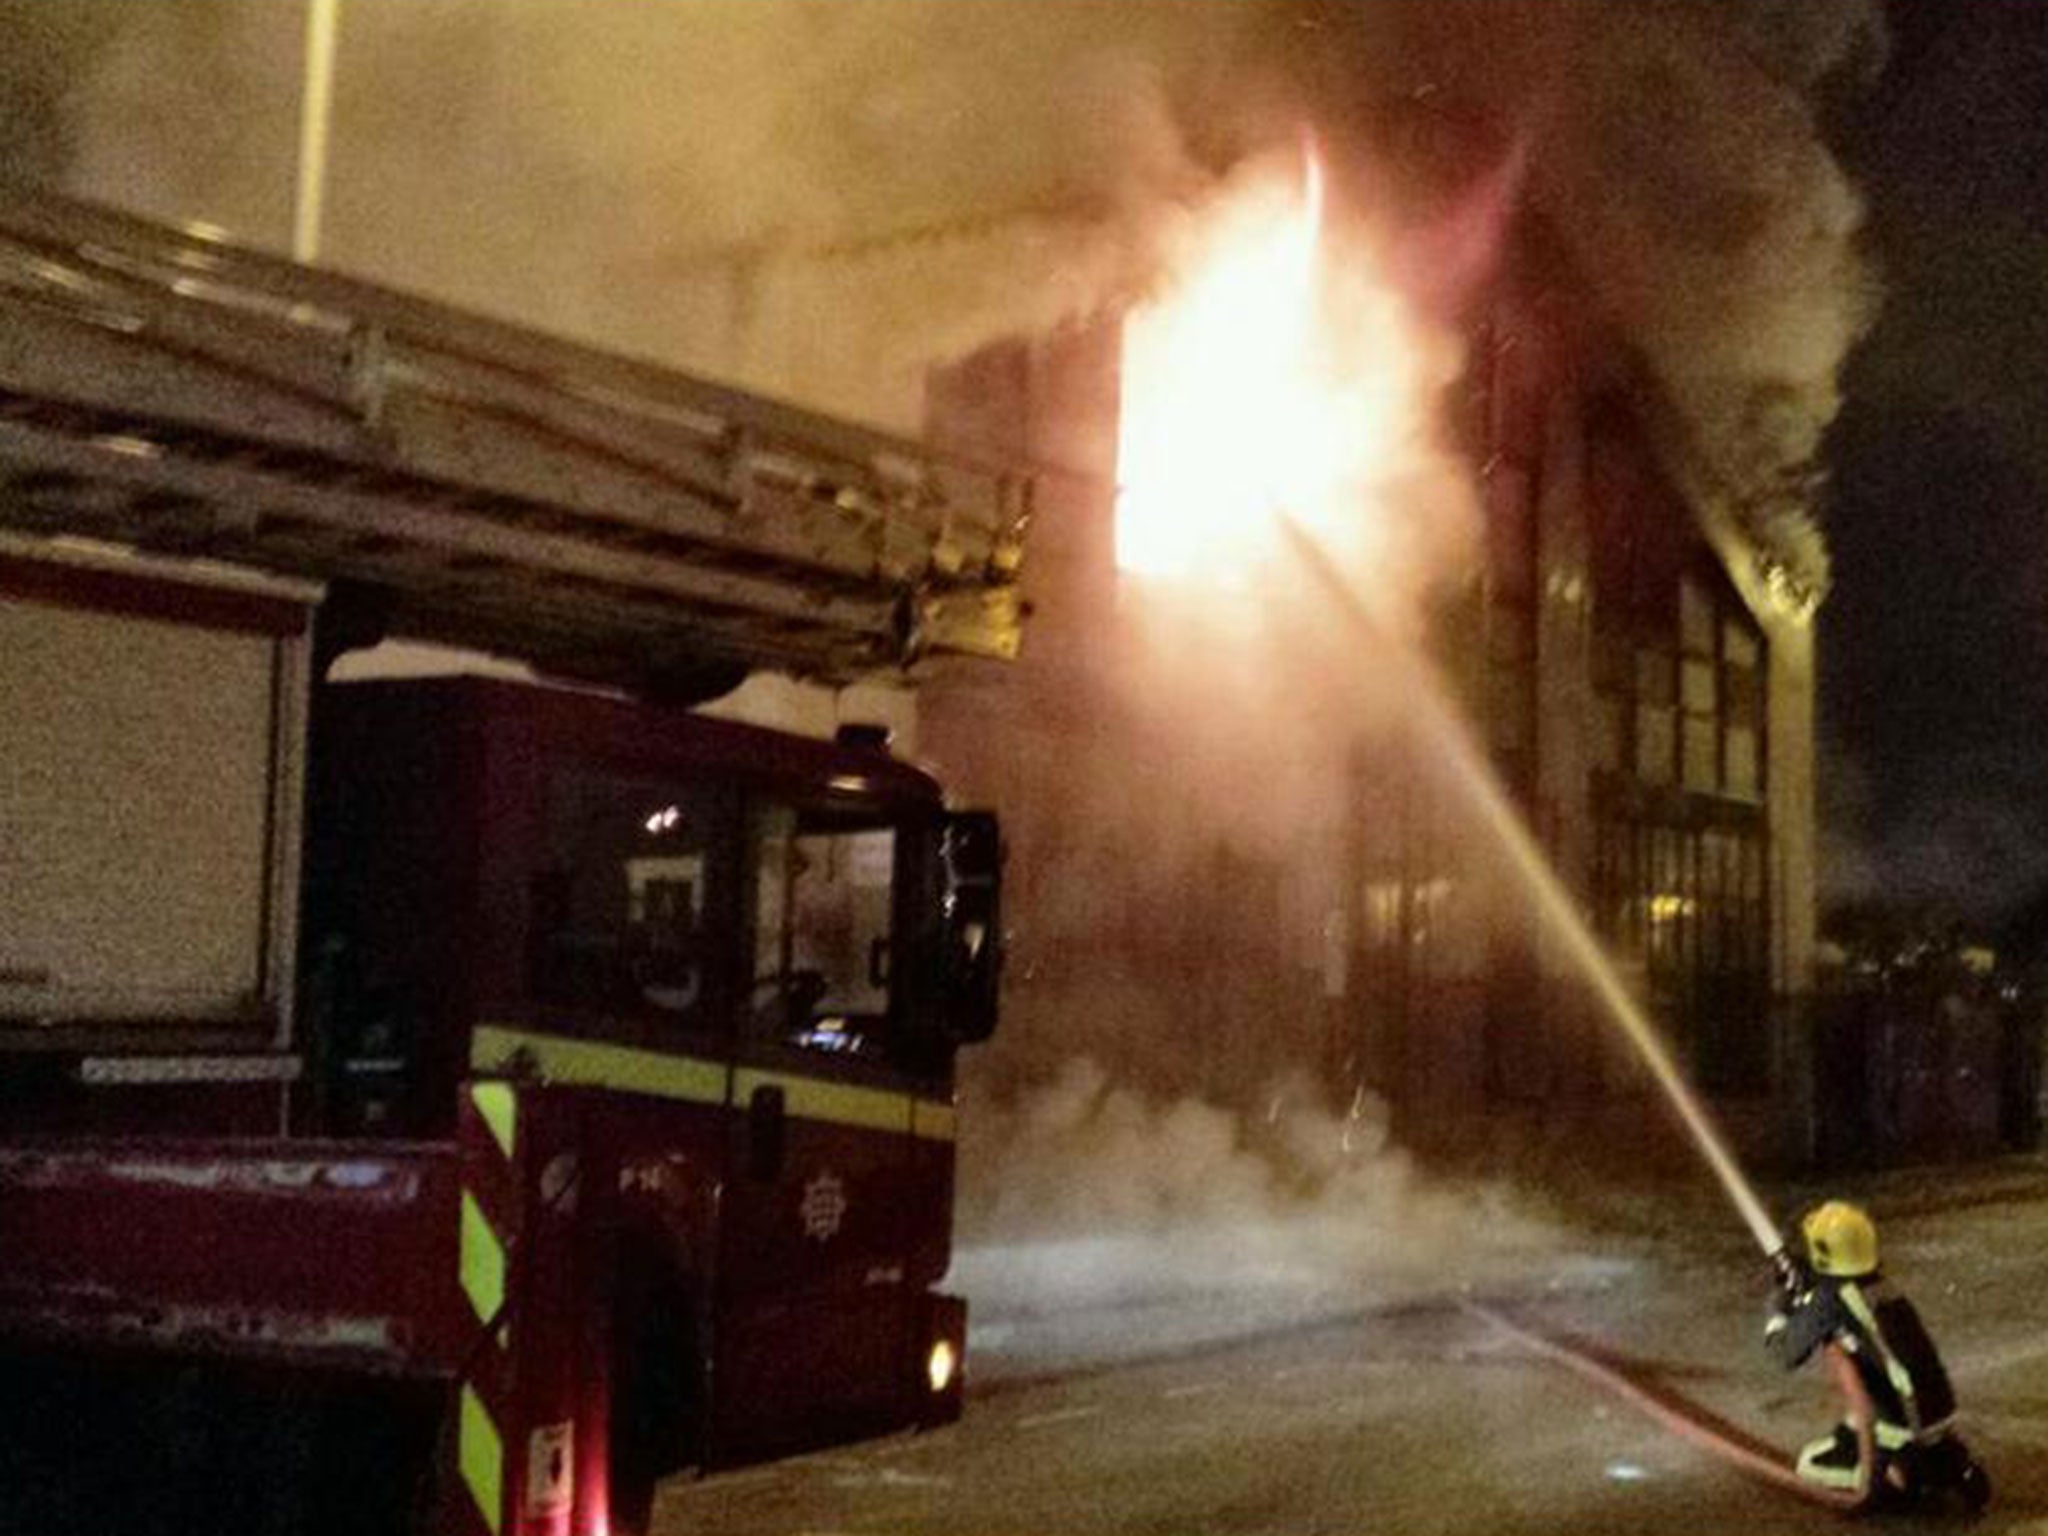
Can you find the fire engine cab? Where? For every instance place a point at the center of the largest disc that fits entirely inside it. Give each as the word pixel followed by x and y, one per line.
pixel 455 1102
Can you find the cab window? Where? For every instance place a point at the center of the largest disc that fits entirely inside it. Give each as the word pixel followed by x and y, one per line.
pixel 621 902
pixel 824 910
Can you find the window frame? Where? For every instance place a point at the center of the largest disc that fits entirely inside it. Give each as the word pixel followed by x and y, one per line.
pixel 707 1024
pixel 894 1060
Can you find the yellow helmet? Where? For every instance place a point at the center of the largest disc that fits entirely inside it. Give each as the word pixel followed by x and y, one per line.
pixel 1840 1240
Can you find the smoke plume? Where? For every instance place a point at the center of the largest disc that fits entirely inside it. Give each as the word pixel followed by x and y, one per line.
pixel 819 197
pixel 1676 147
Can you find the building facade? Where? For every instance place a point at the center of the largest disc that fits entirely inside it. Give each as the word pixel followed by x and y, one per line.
pixel 1638 667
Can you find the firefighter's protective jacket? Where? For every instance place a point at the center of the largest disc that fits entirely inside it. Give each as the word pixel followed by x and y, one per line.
pixel 1882 1334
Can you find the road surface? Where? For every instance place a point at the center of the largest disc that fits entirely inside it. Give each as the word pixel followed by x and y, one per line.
pixel 1328 1412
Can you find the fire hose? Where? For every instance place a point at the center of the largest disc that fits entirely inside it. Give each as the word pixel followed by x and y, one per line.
pixel 1746 1455
pixel 1433 715
pixel 1489 801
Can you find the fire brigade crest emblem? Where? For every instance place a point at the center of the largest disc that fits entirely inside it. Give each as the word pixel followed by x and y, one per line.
pixel 824 1206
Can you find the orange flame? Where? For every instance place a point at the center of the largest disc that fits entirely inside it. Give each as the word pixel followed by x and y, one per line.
pixel 1268 380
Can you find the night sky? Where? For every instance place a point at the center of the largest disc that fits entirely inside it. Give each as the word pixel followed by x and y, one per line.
pixel 1934 644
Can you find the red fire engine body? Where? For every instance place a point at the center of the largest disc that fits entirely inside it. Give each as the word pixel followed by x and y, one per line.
pixel 455 1101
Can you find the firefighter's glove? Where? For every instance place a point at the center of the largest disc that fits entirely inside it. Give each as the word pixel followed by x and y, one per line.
pixel 1789 1329
pixel 1776 1321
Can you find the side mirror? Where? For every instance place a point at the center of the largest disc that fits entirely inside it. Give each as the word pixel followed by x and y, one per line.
pixel 970 962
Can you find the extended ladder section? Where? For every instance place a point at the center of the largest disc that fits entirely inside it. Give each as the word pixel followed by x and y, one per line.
pixel 470 481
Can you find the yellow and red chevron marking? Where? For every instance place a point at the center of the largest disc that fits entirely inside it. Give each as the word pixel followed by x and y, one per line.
pixel 487 1229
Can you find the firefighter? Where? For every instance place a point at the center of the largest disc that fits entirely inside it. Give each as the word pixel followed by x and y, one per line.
pixel 1840 1297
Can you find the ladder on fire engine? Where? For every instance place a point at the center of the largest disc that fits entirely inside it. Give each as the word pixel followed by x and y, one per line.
pixel 482 484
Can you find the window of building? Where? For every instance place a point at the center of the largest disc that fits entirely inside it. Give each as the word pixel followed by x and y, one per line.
pixel 1679 755
pixel 1700 732
pixel 1613 685
pixel 1655 730
pixel 1656 718
pixel 1740 647
pixel 1653 678
pixel 1610 733
pixel 1696 685
pixel 1382 907
pixel 1511 709
pixel 1742 692
pixel 1744 772
pixel 1695 618
pixel 1687 905
pixel 1700 745
pixel 1681 703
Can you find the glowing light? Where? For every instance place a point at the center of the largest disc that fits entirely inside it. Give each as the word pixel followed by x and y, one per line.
pixel 830 1035
pixel 1270 377
pixel 1273 398
pixel 1668 908
pixel 940 1367
pixel 667 819
pixel 129 446
pixel 1215 389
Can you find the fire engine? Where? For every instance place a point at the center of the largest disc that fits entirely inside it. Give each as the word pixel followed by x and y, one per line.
pixel 453 1103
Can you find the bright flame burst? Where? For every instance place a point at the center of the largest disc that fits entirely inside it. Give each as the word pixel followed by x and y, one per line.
pixel 1265 381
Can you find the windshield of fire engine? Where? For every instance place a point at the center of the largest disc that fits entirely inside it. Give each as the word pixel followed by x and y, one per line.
pixel 822 928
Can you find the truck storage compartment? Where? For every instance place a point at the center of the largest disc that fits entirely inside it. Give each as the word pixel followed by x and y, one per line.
pixel 332 1255
pixel 145 825
pixel 256 1336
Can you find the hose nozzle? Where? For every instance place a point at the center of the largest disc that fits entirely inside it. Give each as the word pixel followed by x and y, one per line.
pixel 1788 1271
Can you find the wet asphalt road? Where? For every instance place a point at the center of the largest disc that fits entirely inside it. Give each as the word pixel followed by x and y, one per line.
pixel 1335 1413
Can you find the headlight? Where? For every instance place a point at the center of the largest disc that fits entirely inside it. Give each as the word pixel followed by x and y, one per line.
pixel 941 1364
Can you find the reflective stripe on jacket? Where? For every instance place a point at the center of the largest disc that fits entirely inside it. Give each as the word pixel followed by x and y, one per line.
pixel 1881 1332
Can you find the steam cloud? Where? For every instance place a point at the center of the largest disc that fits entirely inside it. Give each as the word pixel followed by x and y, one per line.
pixel 1100 1221
pixel 1095 1156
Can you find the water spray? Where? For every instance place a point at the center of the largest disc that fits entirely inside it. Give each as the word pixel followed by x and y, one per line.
pixel 1239 353
pixel 1552 901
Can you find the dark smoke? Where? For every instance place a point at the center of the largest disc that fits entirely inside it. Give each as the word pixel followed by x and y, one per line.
pixel 1676 147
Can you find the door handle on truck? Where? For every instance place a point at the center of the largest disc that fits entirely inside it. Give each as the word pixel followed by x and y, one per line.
pixel 766 1118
